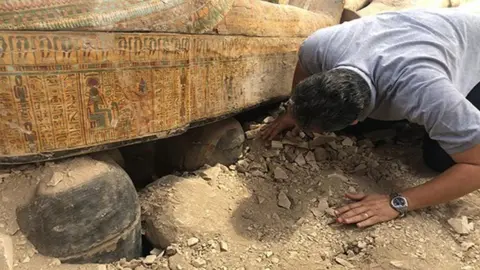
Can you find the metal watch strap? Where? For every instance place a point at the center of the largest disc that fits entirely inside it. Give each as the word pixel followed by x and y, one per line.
pixel 394 195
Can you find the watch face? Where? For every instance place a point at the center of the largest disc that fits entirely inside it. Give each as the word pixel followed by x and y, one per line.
pixel 399 202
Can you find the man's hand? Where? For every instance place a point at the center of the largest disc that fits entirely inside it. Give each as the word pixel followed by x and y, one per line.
pixel 368 210
pixel 280 124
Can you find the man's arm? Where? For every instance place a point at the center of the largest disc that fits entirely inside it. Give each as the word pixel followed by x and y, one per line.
pixel 459 180
pixel 285 121
pixel 449 119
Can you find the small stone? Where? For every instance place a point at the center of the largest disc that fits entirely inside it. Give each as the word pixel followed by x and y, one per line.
pixel 26 260
pixel 352 190
pixel 322 140
pixel 299 144
pixel 347 142
pixel 260 199
pixel 140 267
pixel 360 167
pixel 223 246
pixel 461 225
pixel 344 262
pixel 365 143
pixel 199 262
pixel 310 157
pixel 361 244
pixel 210 173
pixel 467 245
pixel 150 259
pixel 283 200
pixel 192 241
pixel 277 145
pixel 338 176
pixel 242 166
pixel 398 264
pixel 280 174
pixel 467 267
pixel 55 262
pixel 252 134
pixel 330 212
pixel 268 254
pixel 6 252
pixel 169 251
pixel 300 160
pixel 268 119
pixel 320 154
pixel 275 260
pixel 176 262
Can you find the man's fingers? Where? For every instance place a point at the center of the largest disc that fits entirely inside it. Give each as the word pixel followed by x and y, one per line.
pixel 355 196
pixel 353 212
pixel 360 217
pixel 347 207
pixel 369 222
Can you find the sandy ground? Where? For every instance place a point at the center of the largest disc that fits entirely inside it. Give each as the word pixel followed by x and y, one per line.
pixel 271 211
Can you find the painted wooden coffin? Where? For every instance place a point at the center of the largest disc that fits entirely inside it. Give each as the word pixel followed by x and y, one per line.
pixel 83 76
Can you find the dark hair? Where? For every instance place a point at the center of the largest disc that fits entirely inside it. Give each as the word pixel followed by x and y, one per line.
pixel 330 100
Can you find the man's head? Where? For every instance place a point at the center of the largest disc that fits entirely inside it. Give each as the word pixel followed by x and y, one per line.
pixel 330 101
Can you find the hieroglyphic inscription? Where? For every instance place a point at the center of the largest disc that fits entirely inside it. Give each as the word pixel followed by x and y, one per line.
pixel 68 90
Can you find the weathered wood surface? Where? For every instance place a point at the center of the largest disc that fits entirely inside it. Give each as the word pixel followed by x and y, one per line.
pixel 72 92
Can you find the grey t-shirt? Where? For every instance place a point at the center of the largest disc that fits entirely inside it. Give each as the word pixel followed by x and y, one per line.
pixel 420 66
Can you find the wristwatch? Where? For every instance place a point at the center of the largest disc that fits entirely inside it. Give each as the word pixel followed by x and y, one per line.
pixel 399 203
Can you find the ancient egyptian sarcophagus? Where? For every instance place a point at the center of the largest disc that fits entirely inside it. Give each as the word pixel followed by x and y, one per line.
pixel 78 76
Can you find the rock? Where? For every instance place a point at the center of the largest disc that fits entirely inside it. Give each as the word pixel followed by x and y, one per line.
pixel 467 245
pixel 277 145
pixel 268 254
pixel 347 142
pixel 150 259
pixel 252 134
pixel 330 212
pixel 55 262
pixel 361 244
pixel 170 251
pixel 320 209
pixel 344 262
pixel 170 208
pixel 275 260
pixel 192 241
pixel 310 157
pixel 337 176
pixel 223 246
pixel 26 260
pixel 283 200
pixel 300 160
pixel 290 154
pixel 352 190
pixel 199 262
pixel 461 225
pixel 280 174
pixel 102 267
pixel 360 167
pixel 210 173
pixel 6 252
pixel 141 267
pixel 321 140
pixel 268 119
pixel 242 166
pixel 296 143
pixel 176 262
pixel 260 199
pixel 320 154
pixel 398 264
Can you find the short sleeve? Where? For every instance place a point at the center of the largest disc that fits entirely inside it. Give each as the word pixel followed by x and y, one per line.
pixel 449 118
pixel 309 54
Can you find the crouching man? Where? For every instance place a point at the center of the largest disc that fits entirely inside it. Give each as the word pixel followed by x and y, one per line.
pixel 421 66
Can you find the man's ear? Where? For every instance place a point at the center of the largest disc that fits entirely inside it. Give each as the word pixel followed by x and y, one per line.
pixel 354 122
